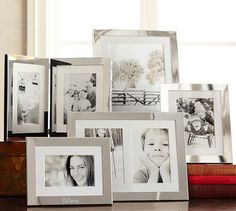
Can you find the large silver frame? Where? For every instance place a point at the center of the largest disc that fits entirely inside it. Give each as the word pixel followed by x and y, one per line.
pixel 226 157
pixel 34 200
pixel 182 194
pixel 100 50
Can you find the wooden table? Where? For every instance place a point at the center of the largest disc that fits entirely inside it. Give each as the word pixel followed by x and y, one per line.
pixel 19 204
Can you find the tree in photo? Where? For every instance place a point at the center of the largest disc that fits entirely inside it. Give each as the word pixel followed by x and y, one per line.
pixel 129 71
pixel 156 66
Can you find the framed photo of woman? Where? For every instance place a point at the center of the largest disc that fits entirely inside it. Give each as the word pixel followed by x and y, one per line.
pixel 68 171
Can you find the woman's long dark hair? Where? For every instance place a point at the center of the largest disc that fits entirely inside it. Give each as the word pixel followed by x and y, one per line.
pixel 89 162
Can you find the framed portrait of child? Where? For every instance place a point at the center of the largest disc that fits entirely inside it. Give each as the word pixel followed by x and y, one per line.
pixel 206 117
pixel 147 157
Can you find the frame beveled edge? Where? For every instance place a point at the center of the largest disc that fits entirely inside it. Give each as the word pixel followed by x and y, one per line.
pixel 97 33
pixel 33 142
pixel 227 157
pixel 177 117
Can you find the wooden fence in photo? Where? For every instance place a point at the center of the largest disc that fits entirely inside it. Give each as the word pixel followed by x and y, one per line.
pixel 131 96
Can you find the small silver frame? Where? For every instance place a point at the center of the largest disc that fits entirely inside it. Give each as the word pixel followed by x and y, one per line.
pixel 51 143
pixel 120 118
pixel 102 38
pixel 224 116
pixel 58 127
pixel 10 60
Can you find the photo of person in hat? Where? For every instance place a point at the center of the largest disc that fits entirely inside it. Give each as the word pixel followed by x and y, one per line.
pixel 198 126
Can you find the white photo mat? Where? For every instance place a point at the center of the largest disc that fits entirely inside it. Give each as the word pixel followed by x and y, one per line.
pixel 128 159
pixel 145 58
pixel 28 68
pixel 215 95
pixel 68 171
pixel 41 190
pixel 210 103
pixel 70 70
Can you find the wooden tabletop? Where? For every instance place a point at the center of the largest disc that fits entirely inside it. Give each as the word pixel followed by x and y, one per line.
pixel 19 204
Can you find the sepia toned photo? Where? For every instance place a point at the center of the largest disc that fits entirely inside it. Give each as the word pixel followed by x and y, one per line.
pixel 70 170
pixel 116 143
pixel 199 121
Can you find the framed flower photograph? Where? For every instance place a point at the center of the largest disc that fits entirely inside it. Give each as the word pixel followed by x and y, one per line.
pixel 147 157
pixel 26 96
pixel 142 60
pixel 205 108
pixel 68 171
pixel 78 85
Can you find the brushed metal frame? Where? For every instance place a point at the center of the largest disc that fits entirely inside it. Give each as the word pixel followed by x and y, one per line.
pixel 225 116
pixel 182 167
pixel 33 200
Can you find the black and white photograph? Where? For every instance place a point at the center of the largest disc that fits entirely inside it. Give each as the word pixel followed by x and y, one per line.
pixel 79 93
pixel 79 89
pixel 28 98
pixel 206 119
pixel 69 170
pixel 116 148
pixel 136 76
pixel 152 158
pixel 142 61
pixel 199 121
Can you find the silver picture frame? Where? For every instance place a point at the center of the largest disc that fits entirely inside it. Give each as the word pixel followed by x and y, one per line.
pixel 68 171
pixel 26 96
pixel 142 60
pixel 71 76
pixel 127 149
pixel 206 106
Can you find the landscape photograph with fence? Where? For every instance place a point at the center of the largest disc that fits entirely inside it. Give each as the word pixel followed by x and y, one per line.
pixel 137 71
